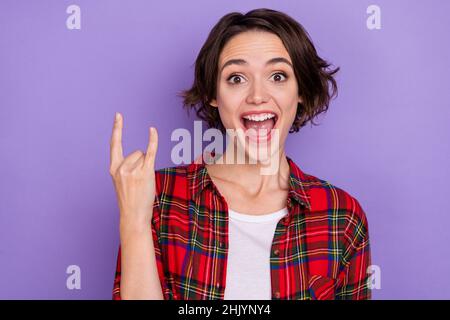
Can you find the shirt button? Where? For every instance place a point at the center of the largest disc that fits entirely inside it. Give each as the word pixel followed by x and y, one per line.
pixel 276 252
pixel 221 244
pixel 277 294
pixel 217 285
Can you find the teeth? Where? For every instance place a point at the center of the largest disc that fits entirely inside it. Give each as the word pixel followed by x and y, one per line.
pixel 259 117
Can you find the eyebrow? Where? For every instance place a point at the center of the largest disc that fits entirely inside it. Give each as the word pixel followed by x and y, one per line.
pixel 243 62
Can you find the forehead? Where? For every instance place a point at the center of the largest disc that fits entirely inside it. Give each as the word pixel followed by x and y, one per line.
pixel 258 46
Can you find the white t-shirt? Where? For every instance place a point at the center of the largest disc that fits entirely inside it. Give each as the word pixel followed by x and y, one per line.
pixel 248 266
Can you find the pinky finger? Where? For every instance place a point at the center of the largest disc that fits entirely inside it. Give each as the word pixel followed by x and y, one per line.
pixel 152 148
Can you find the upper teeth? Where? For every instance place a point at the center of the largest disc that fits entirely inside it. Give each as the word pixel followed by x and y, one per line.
pixel 259 117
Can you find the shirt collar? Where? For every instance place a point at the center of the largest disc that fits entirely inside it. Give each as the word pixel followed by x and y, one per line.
pixel 199 179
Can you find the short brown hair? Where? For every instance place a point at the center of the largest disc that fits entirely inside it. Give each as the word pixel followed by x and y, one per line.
pixel 311 71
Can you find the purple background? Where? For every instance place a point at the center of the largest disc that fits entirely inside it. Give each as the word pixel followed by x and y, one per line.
pixel 385 139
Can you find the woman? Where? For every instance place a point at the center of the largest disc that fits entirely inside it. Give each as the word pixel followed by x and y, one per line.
pixel 224 229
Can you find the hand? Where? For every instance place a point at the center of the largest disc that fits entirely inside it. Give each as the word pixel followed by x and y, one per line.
pixel 133 177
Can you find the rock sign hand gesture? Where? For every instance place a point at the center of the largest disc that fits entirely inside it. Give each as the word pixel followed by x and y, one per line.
pixel 133 177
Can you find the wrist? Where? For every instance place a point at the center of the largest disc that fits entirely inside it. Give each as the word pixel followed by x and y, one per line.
pixel 134 226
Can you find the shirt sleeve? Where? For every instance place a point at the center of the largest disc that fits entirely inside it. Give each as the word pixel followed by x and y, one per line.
pixel 158 254
pixel 356 258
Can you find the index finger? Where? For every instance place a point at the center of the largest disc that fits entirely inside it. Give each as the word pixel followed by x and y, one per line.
pixel 116 142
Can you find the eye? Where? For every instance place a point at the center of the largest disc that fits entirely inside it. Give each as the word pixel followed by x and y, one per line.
pixel 278 75
pixel 235 76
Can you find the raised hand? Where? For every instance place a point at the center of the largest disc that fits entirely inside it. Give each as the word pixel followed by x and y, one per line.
pixel 133 177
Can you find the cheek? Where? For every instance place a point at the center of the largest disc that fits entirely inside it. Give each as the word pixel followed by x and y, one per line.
pixel 227 113
pixel 288 105
pixel 231 97
pixel 293 112
pixel 229 102
pixel 288 102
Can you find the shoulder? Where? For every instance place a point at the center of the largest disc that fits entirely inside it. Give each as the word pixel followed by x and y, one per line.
pixel 172 180
pixel 339 203
pixel 172 173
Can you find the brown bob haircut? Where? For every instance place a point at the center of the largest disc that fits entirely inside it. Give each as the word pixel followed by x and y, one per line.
pixel 311 72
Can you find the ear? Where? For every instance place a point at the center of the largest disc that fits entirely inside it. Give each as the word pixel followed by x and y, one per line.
pixel 213 103
pixel 300 100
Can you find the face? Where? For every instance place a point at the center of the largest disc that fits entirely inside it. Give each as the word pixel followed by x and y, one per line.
pixel 256 89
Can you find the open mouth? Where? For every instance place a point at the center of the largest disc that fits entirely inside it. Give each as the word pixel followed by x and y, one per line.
pixel 261 122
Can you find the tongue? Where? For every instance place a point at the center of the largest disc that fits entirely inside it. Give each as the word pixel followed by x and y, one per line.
pixel 257 125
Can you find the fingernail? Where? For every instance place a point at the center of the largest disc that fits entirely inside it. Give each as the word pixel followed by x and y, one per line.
pixel 117 116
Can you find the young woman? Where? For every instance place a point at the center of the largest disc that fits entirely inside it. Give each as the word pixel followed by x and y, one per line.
pixel 223 229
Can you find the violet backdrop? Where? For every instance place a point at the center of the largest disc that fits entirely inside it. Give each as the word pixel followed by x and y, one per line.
pixel 385 138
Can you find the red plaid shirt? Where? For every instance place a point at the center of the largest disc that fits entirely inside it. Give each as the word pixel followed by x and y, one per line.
pixel 320 250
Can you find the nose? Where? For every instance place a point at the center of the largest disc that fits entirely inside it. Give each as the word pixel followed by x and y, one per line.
pixel 257 93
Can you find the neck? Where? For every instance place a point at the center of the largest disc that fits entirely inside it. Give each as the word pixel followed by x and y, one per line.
pixel 257 177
